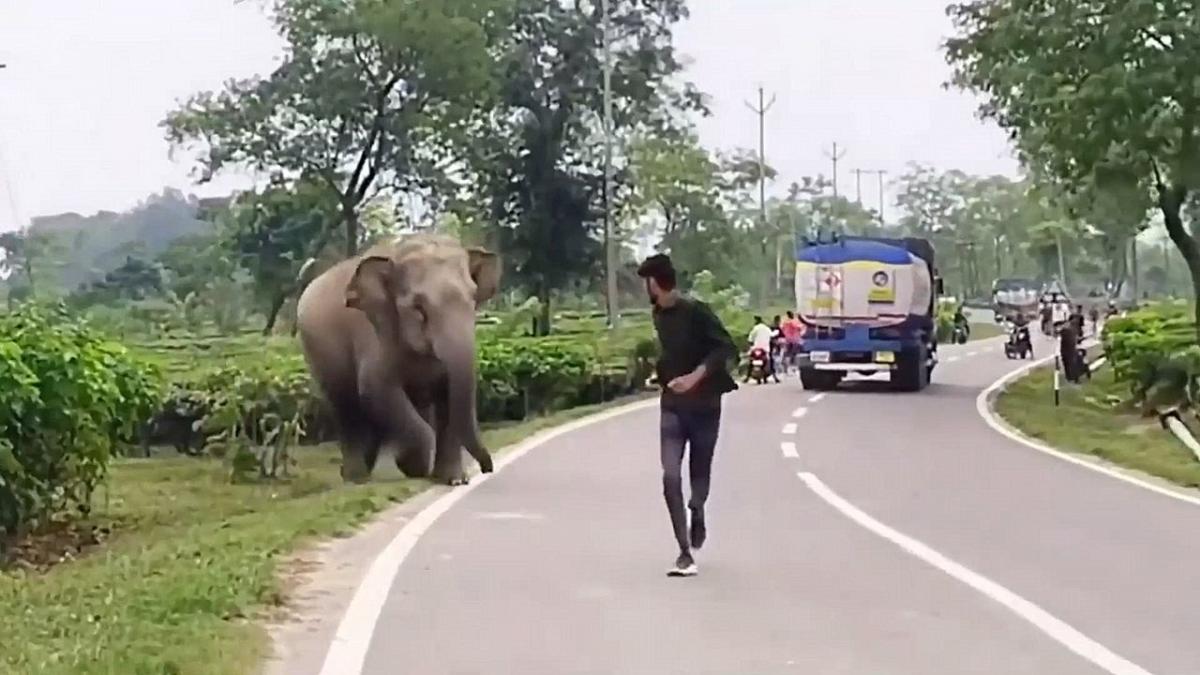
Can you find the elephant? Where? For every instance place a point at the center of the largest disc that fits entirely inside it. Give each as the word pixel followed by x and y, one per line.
pixel 389 338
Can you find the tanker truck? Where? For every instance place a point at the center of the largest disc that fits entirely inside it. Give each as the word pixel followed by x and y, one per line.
pixel 868 306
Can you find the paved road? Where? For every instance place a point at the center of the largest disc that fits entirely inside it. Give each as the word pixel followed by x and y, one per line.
pixel 919 541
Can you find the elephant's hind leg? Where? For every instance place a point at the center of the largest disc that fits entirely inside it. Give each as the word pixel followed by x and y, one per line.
pixel 359 441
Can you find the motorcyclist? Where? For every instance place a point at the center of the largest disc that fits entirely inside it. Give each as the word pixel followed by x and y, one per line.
pixel 760 337
pixel 960 321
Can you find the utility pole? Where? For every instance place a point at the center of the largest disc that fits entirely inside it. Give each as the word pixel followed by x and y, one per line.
pixel 610 239
pixel 835 157
pixel 858 186
pixel 761 111
pixel 880 173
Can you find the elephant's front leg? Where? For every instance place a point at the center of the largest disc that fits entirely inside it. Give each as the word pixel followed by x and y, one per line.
pixel 415 462
pixel 405 431
pixel 448 459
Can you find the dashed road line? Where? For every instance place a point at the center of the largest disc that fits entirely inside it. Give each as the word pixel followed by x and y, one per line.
pixel 816 398
pixel 799 412
pixel 789 428
pixel 789 450
pixel 1053 627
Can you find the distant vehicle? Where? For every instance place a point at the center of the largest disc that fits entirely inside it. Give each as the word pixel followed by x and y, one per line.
pixel 1015 296
pixel 868 307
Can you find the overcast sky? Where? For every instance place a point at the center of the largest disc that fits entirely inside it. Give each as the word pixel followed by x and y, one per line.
pixel 88 81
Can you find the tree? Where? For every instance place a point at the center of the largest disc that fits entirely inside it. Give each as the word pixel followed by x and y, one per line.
pixel 541 173
pixel 34 258
pixel 367 92
pixel 272 233
pixel 1093 93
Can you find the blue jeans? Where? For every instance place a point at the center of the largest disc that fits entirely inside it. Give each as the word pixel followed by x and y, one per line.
pixel 681 431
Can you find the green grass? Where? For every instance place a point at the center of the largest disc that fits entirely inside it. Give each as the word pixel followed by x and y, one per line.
pixel 984 331
pixel 191 563
pixel 1089 423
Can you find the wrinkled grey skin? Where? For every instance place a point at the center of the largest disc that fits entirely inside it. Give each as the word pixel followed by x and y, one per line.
pixel 389 337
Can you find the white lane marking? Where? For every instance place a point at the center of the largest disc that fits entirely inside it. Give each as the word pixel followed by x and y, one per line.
pixel 951 359
pixel 1052 626
pixel 789 428
pixel 789 450
pixel 799 412
pixel 816 398
pixel 984 408
pixel 970 354
pixel 348 650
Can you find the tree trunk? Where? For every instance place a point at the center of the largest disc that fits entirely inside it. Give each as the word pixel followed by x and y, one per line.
pixel 1170 202
pixel 350 218
pixel 273 311
pixel 543 324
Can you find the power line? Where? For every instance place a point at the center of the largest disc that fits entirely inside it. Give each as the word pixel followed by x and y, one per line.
pixel 835 157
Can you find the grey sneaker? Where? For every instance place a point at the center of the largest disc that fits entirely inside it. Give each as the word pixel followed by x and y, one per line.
pixel 685 566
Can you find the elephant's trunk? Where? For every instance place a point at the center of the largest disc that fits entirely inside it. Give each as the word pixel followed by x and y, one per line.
pixel 457 352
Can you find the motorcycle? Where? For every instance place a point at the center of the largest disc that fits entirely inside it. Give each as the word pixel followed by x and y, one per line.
pixel 960 335
pixel 759 365
pixel 1019 344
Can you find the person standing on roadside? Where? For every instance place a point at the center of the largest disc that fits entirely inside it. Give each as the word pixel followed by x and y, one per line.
pixel 793 330
pixel 693 371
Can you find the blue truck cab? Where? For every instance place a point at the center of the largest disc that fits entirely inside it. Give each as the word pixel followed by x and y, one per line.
pixel 868 305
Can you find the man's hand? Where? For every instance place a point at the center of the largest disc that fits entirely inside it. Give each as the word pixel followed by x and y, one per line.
pixel 685 383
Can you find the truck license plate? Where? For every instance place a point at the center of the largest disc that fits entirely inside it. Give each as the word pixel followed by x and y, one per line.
pixel 885 357
pixel 818 357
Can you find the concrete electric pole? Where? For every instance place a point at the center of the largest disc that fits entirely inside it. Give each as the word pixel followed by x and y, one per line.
pixel 610 240
pixel 835 157
pixel 761 110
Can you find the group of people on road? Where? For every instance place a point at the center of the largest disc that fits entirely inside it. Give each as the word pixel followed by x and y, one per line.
pixel 780 341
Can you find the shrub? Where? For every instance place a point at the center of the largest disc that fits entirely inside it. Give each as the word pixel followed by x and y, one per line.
pixel 69 401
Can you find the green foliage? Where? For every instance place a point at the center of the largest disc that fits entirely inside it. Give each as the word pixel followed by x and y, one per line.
pixel 1151 352
pixel 71 401
pixel 254 417
pixel 1099 97
pixel 367 96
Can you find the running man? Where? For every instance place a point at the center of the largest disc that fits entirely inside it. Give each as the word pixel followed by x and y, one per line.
pixel 793 331
pixel 693 371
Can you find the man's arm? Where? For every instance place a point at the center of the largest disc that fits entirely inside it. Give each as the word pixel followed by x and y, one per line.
pixel 719 345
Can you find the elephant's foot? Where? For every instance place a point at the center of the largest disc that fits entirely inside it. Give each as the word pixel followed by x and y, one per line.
pixel 355 470
pixel 413 464
pixel 453 478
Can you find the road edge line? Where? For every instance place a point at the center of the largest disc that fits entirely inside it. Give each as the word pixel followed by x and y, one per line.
pixel 984 406
pixel 347 652
pixel 1053 627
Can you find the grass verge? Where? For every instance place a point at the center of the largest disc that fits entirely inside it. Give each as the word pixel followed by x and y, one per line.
pixel 984 331
pixel 191 563
pixel 1089 423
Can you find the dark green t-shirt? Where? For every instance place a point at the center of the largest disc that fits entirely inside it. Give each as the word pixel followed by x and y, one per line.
pixel 689 333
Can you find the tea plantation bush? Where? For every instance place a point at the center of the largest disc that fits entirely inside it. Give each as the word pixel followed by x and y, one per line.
pixel 69 401
pixel 1154 351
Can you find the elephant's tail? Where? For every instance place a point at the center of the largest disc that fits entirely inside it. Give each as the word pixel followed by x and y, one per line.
pixel 308 272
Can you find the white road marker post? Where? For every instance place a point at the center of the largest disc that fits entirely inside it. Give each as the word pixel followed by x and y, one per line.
pixel 1056 381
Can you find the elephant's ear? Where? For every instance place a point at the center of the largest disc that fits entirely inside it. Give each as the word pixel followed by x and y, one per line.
pixel 485 272
pixel 373 285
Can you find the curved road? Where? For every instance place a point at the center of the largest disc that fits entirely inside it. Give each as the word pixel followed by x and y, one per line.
pixel 861 532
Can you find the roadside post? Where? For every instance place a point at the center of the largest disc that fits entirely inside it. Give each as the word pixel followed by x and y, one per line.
pixel 1057 365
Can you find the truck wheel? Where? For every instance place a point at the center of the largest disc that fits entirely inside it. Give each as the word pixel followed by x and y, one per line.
pixel 912 373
